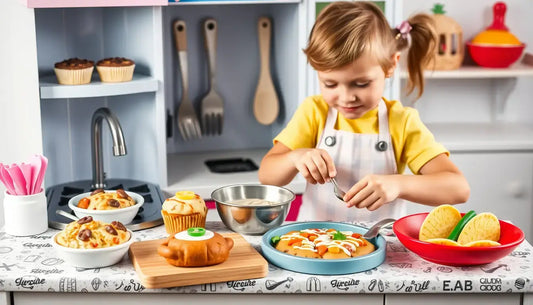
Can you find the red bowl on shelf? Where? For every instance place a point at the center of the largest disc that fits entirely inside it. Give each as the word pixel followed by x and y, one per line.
pixel 495 56
pixel 407 228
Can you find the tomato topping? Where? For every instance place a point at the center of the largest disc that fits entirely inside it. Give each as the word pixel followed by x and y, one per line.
pixel 292 241
pixel 322 249
pixel 84 203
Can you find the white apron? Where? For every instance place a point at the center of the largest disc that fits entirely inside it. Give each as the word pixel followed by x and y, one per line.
pixel 355 155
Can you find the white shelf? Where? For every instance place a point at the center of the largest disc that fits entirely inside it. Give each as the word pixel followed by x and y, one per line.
pixel 492 136
pixel 478 72
pixel 188 172
pixel 50 89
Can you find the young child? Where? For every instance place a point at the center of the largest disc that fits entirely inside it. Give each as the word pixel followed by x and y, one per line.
pixel 352 133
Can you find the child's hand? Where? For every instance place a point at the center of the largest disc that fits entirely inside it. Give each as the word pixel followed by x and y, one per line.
pixel 372 192
pixel 315 165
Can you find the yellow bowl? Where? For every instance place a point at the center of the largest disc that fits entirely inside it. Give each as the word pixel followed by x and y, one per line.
pixel 496 37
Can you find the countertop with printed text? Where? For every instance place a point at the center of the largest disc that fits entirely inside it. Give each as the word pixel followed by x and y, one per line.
pixel 30 264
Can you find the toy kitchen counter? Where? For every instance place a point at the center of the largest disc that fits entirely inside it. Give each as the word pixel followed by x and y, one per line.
pixel 31 273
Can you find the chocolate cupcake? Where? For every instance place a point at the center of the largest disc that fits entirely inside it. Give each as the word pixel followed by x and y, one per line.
pixel 74 71
pixel 115 69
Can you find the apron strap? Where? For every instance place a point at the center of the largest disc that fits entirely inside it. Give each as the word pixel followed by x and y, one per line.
pixel 383 120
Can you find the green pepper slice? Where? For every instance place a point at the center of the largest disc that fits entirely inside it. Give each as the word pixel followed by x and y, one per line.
pixel 275 240
pixel 461 224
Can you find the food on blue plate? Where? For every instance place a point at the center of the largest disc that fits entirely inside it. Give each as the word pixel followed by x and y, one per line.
pixel 87 233
pixel 323 244
pixel 442 226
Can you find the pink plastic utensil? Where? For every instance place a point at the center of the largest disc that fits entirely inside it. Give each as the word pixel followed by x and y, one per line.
pixel 18 179
pixel 6 179
pixel 36 169
pixel 40 173
pixel 25 168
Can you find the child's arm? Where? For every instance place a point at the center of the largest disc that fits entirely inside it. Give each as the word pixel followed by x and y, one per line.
pixel 281 164
pixel 439 182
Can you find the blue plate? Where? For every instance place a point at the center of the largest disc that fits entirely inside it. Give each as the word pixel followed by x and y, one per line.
pixel 322 266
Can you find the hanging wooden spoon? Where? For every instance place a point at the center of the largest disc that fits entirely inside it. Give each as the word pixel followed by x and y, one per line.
pixel 266 104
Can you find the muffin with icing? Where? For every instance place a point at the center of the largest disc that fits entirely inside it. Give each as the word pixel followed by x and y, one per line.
pixel 74 71
pixel 115 69
pixel 185 210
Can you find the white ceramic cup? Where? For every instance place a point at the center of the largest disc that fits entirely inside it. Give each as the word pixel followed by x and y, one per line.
pixel 25 215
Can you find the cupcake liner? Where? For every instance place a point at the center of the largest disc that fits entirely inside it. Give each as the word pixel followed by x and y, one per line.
pixel 175 223
pixel 115 74
pixel 74 76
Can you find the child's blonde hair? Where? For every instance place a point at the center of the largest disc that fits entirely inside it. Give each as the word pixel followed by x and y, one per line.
pixel 345 30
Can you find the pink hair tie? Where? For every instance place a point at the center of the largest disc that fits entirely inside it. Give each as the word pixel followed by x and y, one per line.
pixel 404 28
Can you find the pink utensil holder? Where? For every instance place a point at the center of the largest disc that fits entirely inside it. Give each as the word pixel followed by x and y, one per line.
pixel 25 215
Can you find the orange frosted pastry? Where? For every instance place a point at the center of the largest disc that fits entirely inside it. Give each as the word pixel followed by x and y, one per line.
pixel 185 210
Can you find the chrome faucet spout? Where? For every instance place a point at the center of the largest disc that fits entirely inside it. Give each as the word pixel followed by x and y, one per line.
pixel 119 144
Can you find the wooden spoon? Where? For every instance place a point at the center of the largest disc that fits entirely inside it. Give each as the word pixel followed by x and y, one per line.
pixel 266 104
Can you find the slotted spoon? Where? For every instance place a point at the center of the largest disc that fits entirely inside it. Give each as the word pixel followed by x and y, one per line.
pixel 188 123
pixel 212 113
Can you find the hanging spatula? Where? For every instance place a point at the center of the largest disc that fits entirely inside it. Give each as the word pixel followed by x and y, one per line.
pixel 266 104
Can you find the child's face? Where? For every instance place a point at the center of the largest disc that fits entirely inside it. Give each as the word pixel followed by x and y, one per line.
pixel 355 88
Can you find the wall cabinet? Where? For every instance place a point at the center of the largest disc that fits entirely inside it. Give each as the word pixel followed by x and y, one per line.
pixel 146 107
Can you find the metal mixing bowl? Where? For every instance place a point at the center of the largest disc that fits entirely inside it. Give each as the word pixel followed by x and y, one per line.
pixel 252 219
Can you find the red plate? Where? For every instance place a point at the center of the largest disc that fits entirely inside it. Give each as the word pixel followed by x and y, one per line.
pixel 407 228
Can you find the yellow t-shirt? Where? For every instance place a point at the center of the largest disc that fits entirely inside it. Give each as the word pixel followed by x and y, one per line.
pixel 414 145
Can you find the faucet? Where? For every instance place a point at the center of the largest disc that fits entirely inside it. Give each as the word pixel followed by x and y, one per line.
pixel 119 145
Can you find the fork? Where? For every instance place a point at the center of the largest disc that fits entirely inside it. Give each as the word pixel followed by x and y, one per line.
pixel 337 190
pixel 188 124
pixel 212 113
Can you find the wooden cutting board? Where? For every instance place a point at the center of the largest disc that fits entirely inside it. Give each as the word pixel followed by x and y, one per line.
pixel 244 262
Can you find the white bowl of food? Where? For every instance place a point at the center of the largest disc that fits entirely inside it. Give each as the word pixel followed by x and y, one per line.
pixel 107 205
pixel 105 245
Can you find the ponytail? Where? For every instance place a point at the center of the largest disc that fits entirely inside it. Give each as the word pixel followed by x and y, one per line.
pixel 421 42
